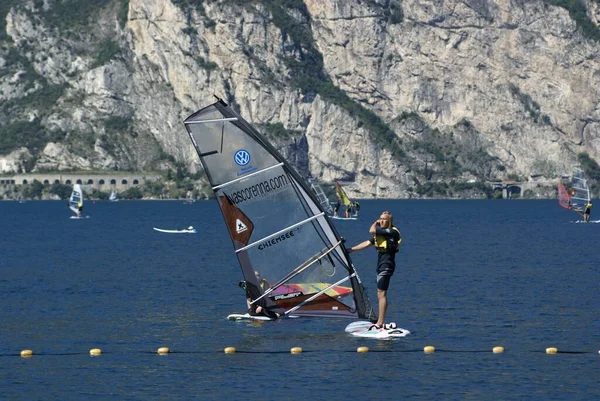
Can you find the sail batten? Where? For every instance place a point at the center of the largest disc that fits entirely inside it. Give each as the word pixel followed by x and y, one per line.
pixel 210 121
pixel 312 260
pixel 268 237
pixel 277 226
pixel 318 294
pixel 245 177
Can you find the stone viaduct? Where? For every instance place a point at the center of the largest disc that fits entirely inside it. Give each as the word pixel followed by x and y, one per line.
pixel 101 181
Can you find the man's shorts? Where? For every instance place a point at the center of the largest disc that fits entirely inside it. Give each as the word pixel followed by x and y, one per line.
pixel 383 279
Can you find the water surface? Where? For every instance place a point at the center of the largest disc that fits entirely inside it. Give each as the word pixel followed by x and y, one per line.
pixel 471 275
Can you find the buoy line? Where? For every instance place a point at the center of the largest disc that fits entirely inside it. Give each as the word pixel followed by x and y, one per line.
pixel 429 349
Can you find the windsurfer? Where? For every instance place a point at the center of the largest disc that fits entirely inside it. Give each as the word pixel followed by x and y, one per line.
pixel 387 239
pixel 260 307
pixel 336 208
pixel 588 210
pixel 79 209
pixel 263 284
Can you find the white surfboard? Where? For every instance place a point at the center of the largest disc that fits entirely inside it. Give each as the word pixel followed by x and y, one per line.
pixel 79 218
pixel 344 218
pixel 361 329
pixel 186 231
pixel 247 316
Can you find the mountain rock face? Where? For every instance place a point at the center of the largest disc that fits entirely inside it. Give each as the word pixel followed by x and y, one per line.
pixel 408 93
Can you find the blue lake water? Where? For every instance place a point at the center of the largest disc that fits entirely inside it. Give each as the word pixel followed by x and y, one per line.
pixel 471 275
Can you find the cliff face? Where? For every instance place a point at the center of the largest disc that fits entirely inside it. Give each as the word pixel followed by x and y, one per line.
pixel 415 92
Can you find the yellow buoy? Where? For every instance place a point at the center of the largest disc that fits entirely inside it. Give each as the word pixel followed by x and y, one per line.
pixel 26 353
pixel 163 350
pixel 230 350
pixel 95 351
pixel 296 350
pixel 551 350
pixel 498 350
pixel 362 349
pixel 428 349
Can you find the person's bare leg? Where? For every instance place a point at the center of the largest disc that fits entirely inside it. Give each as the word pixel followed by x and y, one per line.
pixel 382 299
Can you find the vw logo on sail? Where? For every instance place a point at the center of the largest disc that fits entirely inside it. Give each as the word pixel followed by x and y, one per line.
pixel 241 157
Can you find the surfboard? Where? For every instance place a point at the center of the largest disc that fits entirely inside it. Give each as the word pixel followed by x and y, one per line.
pixel 193 231
pixel 344 218
pixel 361 329
pixel 247 316
pixel 79 218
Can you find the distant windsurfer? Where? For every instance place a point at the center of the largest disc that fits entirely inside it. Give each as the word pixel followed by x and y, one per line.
pixel 263 284
pixel 79 209
pixel 260 307
pixel 587 211
pixel 387 239
pixel 336 208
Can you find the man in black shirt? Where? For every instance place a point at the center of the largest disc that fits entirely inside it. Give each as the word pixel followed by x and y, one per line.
pixel 260 307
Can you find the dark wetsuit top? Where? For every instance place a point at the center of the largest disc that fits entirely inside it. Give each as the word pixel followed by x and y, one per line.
pixel 387 242
pixel 252 292
pixel 588 208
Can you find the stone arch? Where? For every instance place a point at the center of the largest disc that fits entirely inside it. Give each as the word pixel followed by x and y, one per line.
pixel 124 182
pixel 514 189
pixel 113 182
pixel 79 182
pixel 68 182
pixel 101 182
pixel 46 182
pixel 57 181
pixel 24 182
pixel 135 182
pixel 90 181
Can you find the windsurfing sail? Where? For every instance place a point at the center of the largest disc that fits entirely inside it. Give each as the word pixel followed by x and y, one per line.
pixel 322 198
pixel 351 207
pixel 76 198
pixel 113 197
pixel 580 192
pixel 563 197
pixel 344 200
pixel 276 224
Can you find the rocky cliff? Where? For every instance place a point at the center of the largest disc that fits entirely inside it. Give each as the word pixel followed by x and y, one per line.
pixel 388 96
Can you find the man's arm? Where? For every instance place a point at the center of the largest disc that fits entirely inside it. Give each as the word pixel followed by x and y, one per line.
pixel 360 247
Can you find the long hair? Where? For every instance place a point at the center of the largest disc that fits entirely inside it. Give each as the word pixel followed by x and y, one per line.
pixel 390 216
